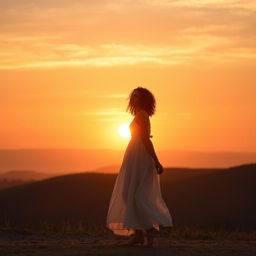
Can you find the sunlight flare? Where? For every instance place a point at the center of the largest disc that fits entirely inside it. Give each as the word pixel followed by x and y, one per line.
pixel 124 130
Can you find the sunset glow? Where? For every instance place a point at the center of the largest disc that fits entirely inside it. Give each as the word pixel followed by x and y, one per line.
pixel 124 131
pixel 67 68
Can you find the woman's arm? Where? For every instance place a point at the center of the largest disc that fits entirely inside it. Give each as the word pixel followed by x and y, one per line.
pixel 144 122
pixel 150 147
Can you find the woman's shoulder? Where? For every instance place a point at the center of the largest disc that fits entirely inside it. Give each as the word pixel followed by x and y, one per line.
pixel 142 115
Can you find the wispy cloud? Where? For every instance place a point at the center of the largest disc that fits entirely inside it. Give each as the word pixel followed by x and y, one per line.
pixel 114 120
pixel 249 4
pixel 53 34
pixel 200 47
pixel 115 96
pixel 106 112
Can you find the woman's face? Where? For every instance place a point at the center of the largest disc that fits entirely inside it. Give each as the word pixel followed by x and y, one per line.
pixel 136 100
pixel 135 97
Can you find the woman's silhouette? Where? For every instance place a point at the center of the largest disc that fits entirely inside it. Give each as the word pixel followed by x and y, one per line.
pixel 136 205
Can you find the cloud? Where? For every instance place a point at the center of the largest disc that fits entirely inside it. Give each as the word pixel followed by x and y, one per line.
pixel 249 4
pixel 194 45
pixel 114 120
pixel 108 115
pixel 115 96
pixel 106 112
pixel 52 34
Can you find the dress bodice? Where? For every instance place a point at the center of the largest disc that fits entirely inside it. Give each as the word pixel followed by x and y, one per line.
pixel 135 129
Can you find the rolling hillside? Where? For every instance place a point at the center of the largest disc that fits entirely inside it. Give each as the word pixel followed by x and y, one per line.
pixel 195 197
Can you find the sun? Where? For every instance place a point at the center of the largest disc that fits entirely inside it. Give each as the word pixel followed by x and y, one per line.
pixel 124 130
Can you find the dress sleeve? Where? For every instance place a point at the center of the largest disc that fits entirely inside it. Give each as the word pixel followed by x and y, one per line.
pixel 144 122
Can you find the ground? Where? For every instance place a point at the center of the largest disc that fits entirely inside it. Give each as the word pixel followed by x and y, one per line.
pixel 53 244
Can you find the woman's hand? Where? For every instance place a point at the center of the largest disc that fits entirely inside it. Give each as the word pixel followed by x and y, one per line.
pixel 159 168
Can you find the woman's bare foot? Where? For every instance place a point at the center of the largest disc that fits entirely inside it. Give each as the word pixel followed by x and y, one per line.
pixel 151 233
pixel 135 239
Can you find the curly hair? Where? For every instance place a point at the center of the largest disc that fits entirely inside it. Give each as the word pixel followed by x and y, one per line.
pixel 146 101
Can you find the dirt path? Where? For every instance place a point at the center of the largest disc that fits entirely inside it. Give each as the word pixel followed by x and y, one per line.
pixel 29 244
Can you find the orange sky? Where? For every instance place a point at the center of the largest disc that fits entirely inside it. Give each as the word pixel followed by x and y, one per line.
pixel 66 68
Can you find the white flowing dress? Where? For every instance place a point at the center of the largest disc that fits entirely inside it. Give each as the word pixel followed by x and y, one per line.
pixel 136 201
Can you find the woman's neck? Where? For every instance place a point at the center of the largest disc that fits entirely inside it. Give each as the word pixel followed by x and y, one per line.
pixel 139 110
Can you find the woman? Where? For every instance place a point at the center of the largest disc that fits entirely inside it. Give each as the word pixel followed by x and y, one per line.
pixel 136 205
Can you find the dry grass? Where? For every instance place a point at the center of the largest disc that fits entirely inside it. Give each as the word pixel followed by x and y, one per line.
pixel 92 229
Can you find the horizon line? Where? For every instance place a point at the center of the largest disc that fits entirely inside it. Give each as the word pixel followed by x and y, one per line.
pixel 110 149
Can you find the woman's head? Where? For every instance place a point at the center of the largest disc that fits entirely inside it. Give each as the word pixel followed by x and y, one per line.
pixel 141 99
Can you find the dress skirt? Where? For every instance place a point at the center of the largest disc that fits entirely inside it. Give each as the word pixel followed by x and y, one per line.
pixel 136 201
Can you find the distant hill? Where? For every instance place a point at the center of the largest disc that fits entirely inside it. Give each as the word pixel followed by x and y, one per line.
pixel 57 160
pixel 25 175
pixel 195 197
pixel 80 160
pixel 114 168
pixel 14 178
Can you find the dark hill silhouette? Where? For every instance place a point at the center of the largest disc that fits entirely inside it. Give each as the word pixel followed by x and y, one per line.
pixel 18 177
pixel 224 198
pixel 25 175
pixel 195 197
